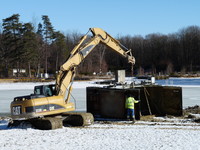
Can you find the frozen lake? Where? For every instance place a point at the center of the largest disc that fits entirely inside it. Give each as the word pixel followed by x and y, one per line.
pixel 6 97
pixel 190 93
pixel 191 96
pixel 190 89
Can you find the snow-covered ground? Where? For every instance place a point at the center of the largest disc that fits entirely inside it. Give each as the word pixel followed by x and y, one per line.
pixel 100 136
pixel 168 134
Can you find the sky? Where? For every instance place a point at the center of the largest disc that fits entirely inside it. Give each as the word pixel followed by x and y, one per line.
pixel 117 17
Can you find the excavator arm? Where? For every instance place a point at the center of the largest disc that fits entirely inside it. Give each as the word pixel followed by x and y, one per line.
pixel 80 52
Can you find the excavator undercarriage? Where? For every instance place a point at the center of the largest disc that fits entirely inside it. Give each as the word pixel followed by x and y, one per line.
pixel 55 122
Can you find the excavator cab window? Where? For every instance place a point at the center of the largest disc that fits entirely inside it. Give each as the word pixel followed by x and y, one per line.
pixel 45 90
pixel 38 90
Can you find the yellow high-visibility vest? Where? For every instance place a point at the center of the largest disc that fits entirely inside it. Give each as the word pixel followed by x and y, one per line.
pixel 130 103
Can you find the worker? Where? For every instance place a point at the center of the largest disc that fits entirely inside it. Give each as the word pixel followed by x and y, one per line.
pixel 130 101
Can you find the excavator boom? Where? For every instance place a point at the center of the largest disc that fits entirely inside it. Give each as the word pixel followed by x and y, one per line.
pixel 81 51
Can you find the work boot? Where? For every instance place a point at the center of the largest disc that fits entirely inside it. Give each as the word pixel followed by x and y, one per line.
pixel 128 118
pixel 133 120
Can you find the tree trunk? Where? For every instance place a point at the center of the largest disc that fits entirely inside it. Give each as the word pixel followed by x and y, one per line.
pixel 56 61
pixel 29 69
pixel 38 70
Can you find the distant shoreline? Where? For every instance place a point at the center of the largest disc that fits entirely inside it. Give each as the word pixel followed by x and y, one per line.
pixel 87 78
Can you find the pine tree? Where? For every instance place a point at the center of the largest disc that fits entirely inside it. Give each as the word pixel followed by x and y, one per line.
pixel 48 36
pixel 30 53
pixel 12 41
pixel 60 51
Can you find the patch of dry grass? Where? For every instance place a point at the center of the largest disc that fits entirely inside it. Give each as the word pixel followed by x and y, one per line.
pixel 194 110
pixel 7 80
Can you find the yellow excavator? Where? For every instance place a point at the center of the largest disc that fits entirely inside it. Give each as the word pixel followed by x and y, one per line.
pixel 50 107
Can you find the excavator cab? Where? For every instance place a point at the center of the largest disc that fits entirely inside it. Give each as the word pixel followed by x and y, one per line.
pixel 45 90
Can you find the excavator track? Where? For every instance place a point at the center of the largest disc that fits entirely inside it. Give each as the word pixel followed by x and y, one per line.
pixel 78 119
pixel 56 122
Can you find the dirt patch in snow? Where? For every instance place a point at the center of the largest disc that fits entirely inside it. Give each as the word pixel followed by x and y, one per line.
pixel 194 110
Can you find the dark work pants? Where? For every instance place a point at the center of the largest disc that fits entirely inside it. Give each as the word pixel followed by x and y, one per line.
pixel 130 114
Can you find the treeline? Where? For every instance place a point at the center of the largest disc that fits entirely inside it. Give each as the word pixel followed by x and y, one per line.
pixel 156 54
pixel 167 54
pixel 41 49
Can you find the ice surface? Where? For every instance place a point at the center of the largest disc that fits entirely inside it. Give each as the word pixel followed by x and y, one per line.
pixel 188 82
pixel 8 91
pixel 31 85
